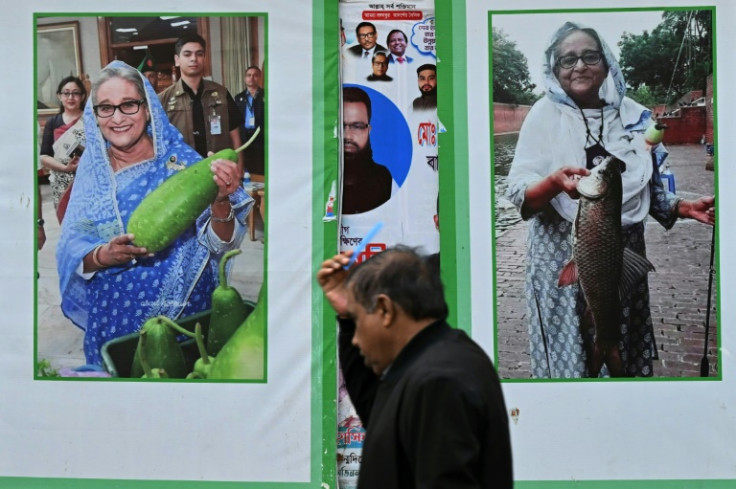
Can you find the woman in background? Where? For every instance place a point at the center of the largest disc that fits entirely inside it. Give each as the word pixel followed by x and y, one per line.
pixel 62 160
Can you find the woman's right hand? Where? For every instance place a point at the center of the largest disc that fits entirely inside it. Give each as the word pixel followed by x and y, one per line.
pixel 566 180
pixel 540 194
pixel 119 251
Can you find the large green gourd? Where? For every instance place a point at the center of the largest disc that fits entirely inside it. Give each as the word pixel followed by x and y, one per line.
pixel 228 309
pixel 162 348
pixel 164 214
pixel 243 356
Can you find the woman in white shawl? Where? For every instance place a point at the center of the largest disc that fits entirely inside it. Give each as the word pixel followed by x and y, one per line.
pixel 583 117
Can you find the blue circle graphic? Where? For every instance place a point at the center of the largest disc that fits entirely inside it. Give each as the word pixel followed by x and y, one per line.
pixel 390 136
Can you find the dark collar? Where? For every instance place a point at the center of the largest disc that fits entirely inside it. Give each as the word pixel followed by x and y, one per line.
pixel 188 89
pixel 420 342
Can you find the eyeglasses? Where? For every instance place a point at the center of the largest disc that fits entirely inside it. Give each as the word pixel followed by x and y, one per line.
pixel 70 94
pixel 589 58
pixel 128 108
pixel 380 63
pixel 355 126
pixel 370 35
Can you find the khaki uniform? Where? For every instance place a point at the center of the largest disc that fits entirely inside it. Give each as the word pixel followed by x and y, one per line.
pixel 178 106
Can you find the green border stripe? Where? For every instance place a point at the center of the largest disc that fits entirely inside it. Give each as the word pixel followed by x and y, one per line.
pixel 454 160
pixel 324 234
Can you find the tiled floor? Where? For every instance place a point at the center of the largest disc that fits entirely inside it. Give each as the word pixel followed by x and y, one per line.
pixel 60 341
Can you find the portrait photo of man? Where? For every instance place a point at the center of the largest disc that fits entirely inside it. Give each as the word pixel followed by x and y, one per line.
pixel 427 81
pixel 379 62
pixel 367 46
pixel 366 183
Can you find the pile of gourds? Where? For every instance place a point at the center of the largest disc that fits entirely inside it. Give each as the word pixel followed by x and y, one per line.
pixel 235 346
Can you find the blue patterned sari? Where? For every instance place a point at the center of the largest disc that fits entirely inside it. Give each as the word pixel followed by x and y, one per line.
pixel 177 281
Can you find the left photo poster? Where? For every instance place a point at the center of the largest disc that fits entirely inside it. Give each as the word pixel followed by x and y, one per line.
pixel 148 307
pixel 167 92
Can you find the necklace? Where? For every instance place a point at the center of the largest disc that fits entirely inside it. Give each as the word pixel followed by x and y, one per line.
pixel 588 135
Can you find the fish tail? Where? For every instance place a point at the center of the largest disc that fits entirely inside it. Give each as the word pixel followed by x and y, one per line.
pixel 608 353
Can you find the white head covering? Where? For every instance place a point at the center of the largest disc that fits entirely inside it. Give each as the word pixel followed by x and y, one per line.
pixel 556 124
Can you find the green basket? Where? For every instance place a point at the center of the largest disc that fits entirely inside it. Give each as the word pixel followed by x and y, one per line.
pixel 118 353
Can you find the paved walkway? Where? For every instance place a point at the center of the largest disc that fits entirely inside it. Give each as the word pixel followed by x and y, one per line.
pixel 678 288
pixel 59 341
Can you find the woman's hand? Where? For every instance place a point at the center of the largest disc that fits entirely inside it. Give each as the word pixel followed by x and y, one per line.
pixel 564 179
pixel 227 177
pixel 118 251
pixel 71 167
pixel 702 209
pixel 331 277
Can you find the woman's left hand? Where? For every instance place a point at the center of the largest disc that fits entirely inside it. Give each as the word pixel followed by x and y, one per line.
pixel 702 209
pixel 226 176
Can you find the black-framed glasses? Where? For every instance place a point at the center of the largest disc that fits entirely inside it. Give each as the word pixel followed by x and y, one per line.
pixel 70 94
pixel 128 108
pixel 369 35
pixel 355 126
pixel 589 58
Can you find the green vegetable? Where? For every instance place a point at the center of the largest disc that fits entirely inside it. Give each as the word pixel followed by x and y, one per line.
pixel 44 369
pixel 228 309
pixel 164 214
pixel 243 356
pixel 150 373
pixel 162 350
pixel 204 363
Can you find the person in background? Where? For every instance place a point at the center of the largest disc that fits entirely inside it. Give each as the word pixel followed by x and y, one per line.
pixel 203 111
pixel 428 395
pixel 149 70
pixel 62 159
pixel 584 117
pixel 427 81
pixel 40 230
pixel 251 103
pixel 109 286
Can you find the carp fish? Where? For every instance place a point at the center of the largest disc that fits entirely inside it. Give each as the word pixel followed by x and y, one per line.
pixel 605 269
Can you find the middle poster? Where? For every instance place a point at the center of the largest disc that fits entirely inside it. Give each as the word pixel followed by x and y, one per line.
pixel 389 126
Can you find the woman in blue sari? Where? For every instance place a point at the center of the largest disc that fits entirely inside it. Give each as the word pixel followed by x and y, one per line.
pixel 110 287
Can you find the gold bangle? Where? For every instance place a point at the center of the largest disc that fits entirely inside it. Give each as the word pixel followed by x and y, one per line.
pixel 95 257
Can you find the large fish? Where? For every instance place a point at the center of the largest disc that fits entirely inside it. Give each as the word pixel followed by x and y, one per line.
pixel 605 269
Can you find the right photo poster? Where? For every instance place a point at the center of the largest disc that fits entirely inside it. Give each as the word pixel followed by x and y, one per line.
pixel 597 271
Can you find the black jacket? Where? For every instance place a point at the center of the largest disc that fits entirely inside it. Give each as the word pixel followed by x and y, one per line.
pixel 437 419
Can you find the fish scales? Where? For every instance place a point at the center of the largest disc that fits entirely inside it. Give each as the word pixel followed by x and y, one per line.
pixel 600 263
pixel 598 251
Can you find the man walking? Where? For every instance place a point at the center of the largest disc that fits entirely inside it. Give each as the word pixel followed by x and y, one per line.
pixel 427 395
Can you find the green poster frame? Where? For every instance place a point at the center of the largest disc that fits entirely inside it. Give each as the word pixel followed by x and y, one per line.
pixel 323 404
pixel 454 184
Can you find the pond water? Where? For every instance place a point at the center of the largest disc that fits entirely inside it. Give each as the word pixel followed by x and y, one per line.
pixel 504 146
pixel 505 213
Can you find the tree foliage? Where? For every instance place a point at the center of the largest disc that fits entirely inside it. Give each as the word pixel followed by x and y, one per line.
pixel 511 81
pixel 676 56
